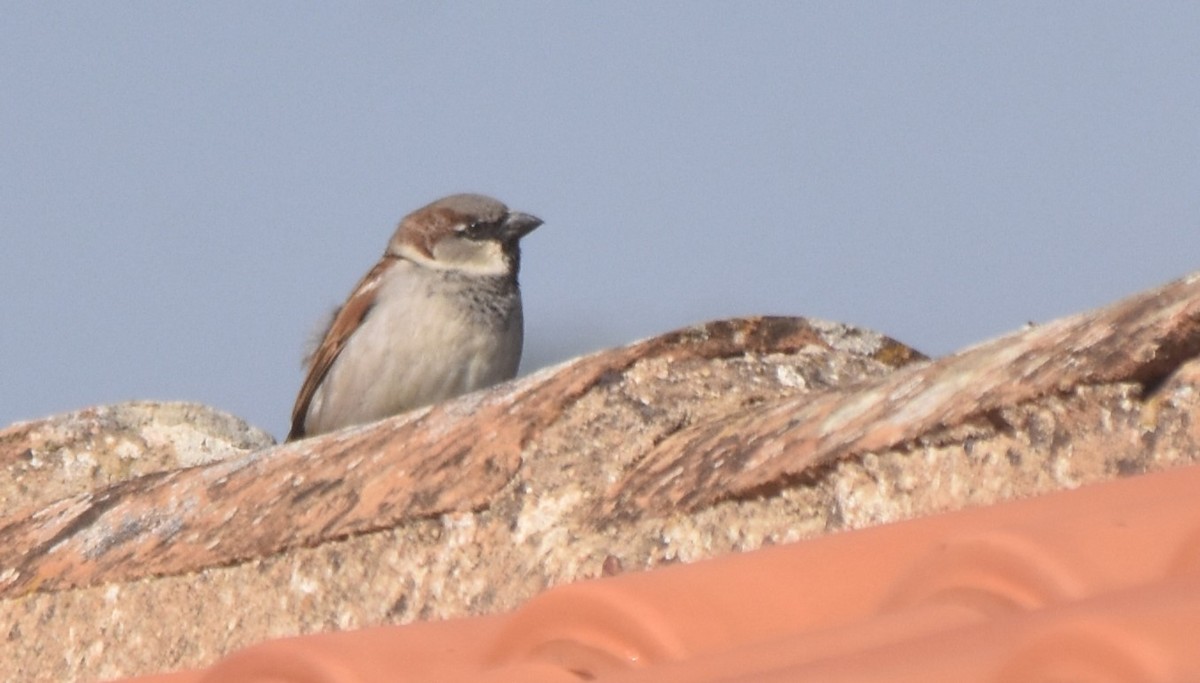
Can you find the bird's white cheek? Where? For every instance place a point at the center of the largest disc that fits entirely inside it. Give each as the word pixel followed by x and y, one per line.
pixel 471 256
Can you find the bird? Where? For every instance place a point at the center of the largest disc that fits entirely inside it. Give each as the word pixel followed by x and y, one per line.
pixel 438 316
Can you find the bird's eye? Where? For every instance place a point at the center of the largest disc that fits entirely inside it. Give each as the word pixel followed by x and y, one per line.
pixel 471 230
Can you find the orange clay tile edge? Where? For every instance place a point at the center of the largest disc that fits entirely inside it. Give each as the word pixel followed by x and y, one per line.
pixel 1099 584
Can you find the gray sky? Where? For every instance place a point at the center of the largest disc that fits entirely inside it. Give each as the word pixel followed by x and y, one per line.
pixel 186 188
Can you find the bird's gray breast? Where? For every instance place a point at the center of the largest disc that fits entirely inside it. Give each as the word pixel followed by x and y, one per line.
pixel 430 335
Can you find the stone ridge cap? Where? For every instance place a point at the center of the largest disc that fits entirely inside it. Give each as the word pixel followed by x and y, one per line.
pixel 451 457
pixel 1080 585
pixel 1141 339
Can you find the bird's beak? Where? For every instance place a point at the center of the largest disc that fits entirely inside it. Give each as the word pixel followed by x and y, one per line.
pixel 518 225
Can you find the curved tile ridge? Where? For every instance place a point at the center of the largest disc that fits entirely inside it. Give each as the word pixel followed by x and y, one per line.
pixel 1140 340
pixel 451 457
pixel 1098 584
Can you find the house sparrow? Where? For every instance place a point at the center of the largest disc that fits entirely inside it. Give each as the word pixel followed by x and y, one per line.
pixel 438 316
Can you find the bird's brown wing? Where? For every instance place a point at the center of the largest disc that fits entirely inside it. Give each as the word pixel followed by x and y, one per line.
pixel 344 323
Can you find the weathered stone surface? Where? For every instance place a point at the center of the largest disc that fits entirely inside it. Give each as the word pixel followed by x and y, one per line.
pixel 455 457
pixel 45 460
pixel 717 438
pixel 1139 342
